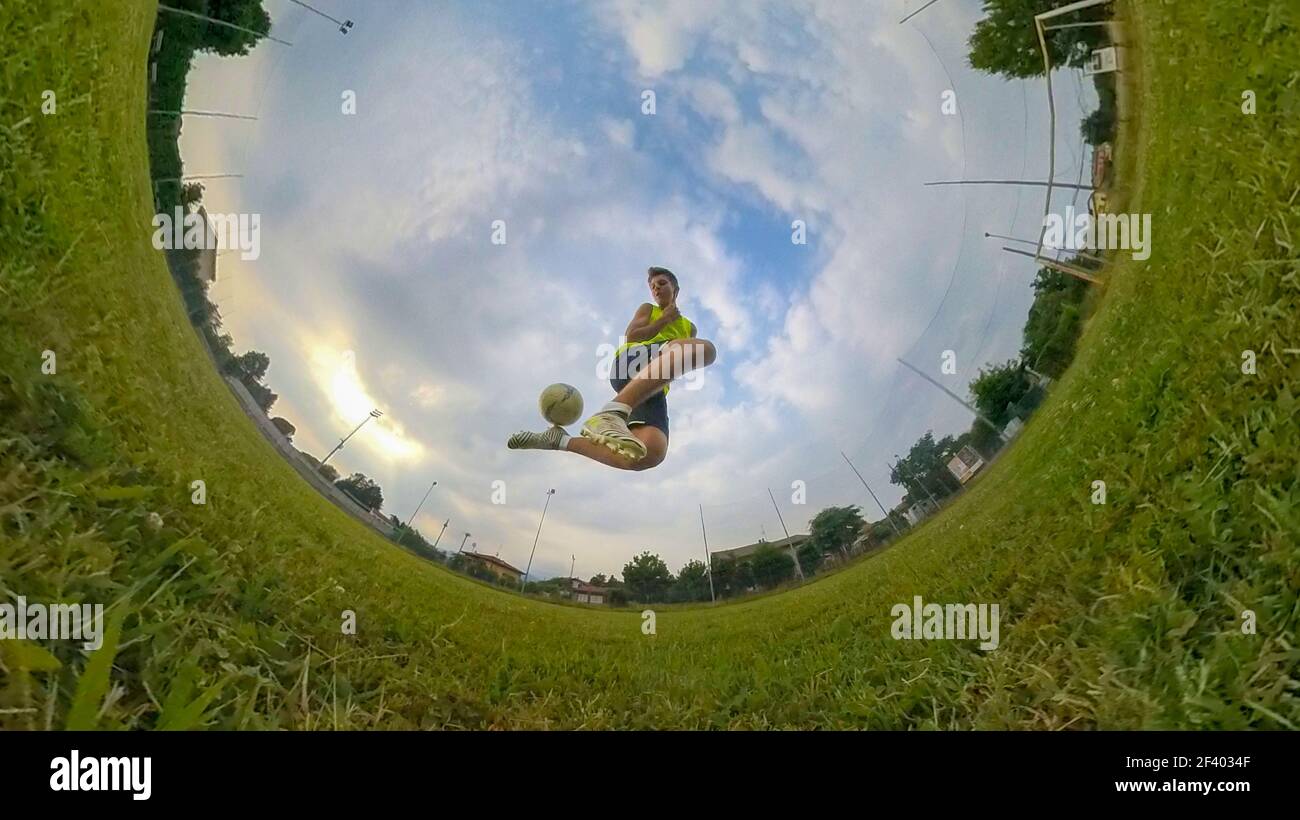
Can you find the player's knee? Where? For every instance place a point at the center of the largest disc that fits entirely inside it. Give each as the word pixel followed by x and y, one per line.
pixel 651 461
pixel 708 351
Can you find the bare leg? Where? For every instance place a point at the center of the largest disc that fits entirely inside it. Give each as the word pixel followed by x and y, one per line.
pixel 655 441
pixel 675 358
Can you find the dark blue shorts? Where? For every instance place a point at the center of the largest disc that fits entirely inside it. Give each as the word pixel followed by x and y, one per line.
pixel 654 410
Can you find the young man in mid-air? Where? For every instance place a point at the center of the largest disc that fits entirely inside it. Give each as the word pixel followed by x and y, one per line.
pixel 631 432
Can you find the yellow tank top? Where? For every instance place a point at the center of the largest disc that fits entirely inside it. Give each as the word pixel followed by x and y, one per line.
pixel 677 329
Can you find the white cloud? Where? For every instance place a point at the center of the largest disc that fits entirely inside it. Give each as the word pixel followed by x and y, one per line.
pixel 619 132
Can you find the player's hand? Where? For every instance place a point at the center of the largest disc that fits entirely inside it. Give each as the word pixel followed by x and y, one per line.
pixel 671 313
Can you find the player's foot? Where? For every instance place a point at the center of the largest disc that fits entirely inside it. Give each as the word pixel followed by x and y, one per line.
pixel 553 439
pixel 610 429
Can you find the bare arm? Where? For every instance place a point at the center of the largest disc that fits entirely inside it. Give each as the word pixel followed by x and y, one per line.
pixel 641 328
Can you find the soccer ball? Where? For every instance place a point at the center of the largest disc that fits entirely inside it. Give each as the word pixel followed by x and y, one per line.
pixel 561 404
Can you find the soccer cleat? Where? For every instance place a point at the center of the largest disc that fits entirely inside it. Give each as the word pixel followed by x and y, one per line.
pixel 552 439
pixel 610 429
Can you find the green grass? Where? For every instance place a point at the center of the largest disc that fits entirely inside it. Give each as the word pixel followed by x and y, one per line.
pixel 1122 615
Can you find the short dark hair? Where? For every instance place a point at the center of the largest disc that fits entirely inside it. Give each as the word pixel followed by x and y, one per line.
pixel 656 271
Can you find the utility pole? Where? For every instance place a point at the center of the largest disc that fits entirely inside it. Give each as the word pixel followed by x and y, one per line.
pixel 1011 182
pixel 462 544
pixel 529 569
pixel 958 399
pixel 191 113
pixel 888 517
pixel 1060 267
pixel 787 535
pixel 374 414
pixel 708 559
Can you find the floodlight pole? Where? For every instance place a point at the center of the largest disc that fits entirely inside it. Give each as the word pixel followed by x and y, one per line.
pixel 410 520
pixel 440 532
pixel 374 414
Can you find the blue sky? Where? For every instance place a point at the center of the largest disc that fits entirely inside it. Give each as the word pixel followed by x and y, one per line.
pixel 379 285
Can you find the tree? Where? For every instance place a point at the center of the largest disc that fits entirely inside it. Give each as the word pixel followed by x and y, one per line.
pixel 327 470
pixel 598 580
pixel 923 472
pixel 692 582
pixel 227 41
pixel 411 537
pixel 832 529
pixel 263 395
pixel 999 388
pixel 284 426
pixel 810 557
pixel 1099 126
pixel 772 566
pixel 1006 41
pixel 743 577
pixel 252 366
pixel 364 491
pixel 191 194
pixel 880 533
pixel 647 577
pixel 1055 320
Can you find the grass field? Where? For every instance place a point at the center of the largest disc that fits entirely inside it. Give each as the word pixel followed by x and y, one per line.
pixel 1120 615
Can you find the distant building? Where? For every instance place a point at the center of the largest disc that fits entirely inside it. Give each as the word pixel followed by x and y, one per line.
pixel 919 510
pixel 496 566
pixel 965 464
pixel 1038 379
pixel 585 593
pixel 1101 61
pixel 1013 428
pixel 740 553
